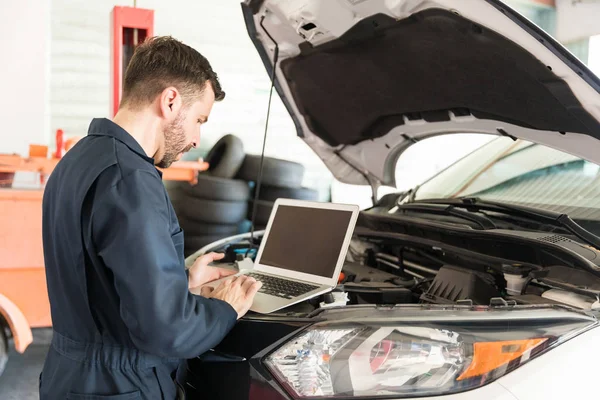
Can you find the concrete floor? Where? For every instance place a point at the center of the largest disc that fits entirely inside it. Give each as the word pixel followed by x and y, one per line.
pixel 20 379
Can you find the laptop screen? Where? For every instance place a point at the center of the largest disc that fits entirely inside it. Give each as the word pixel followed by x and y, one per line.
pixel 305 239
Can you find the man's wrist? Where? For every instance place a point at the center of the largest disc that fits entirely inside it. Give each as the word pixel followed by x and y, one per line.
pixel 231 310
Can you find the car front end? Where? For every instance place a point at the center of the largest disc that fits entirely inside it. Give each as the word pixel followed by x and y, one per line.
pixel 480 283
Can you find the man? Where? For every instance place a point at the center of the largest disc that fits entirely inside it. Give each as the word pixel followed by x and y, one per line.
pixel 122 312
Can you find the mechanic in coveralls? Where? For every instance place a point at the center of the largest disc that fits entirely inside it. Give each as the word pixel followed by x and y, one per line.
pixel 122 313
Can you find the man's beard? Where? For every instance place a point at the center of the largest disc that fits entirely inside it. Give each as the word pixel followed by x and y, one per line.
pixel 174 142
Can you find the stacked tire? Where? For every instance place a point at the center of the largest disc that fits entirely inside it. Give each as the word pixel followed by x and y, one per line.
pixel 280 179
pixel 3 347
pixel 215 207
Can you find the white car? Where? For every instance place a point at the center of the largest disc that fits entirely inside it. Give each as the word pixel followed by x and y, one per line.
pixel 481 283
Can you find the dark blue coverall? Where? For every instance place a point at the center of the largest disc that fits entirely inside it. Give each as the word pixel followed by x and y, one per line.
pixel 122 314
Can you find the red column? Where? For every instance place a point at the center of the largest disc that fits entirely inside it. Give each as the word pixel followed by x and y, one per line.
pixel 130 26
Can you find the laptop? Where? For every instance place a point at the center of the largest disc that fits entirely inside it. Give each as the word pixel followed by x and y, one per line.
pixel 302 252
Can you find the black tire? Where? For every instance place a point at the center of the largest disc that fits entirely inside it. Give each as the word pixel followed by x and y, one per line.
pixel 263 212
pixel 195 243
pixel 192 228
pixel 212 188
pixel 272 193
pixel 276 172
pixel 3 348
pixel 208 211
pixel 226 157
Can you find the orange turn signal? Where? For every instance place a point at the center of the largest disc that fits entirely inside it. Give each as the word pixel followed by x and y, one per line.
pixel 491 355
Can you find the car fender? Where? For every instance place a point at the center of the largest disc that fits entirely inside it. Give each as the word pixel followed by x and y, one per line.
pixel 21 331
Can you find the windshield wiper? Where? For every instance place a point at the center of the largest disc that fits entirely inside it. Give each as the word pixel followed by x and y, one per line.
pixel 534 214
pixel 444 209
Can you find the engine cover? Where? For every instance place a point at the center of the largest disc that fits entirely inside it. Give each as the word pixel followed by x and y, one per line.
pixel 452 284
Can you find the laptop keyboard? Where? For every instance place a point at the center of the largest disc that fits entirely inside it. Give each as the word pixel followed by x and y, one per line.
pixel 279 287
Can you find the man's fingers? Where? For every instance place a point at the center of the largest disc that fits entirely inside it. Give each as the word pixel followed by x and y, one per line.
pixel 240 280
pixel 215 256
pixel 229 281
pixel 235 280
pixel 227 272
pixel 210 257
pixel 253 289
pixel 206 291
pixel 247 284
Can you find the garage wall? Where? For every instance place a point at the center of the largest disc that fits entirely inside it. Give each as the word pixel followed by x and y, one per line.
pixel 594 54
pixel 24 74
pixel 79 64
pixel 577 20
pixel 81 69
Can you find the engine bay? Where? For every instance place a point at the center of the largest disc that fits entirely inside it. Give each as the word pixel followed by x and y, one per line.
pixel 392 262
pixel 385 273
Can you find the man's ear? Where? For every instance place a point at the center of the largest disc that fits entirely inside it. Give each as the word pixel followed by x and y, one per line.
pixel 170 103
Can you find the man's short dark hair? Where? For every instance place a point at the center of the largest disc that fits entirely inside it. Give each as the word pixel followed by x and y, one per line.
pixel 161 62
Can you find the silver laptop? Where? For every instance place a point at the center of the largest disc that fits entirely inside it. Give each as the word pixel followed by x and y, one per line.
pixel 302 252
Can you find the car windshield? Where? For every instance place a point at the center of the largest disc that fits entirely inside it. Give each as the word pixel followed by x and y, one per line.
pixel 523 173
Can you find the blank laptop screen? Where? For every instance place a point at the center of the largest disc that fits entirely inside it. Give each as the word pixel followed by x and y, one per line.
pixel 305 239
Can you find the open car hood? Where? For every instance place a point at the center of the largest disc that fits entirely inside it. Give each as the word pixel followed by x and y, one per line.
pixel 365 79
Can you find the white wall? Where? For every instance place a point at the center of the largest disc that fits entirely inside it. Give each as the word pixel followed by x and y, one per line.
pixel 24 74
pixel 576 20
pixel 80 57
pixel 81 71
pixel 594 55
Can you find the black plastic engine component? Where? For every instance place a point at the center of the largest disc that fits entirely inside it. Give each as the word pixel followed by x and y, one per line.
pixel 574 280
pixel 378 293
pixel 357 273
pixel 452 284
pixel 237 250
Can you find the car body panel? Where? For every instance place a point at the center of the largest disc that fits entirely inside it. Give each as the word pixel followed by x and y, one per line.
pixel 371 160
pixel 568 371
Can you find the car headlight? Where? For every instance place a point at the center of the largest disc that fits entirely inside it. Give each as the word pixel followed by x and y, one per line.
pixel 404 360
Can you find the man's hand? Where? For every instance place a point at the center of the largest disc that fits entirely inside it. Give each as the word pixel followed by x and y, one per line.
pixel 201 273
pixel 238 291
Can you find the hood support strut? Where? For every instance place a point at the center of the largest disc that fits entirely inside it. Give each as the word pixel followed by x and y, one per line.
pixel 374 183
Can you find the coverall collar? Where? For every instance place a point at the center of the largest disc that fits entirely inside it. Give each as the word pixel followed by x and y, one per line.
pixel 106 127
